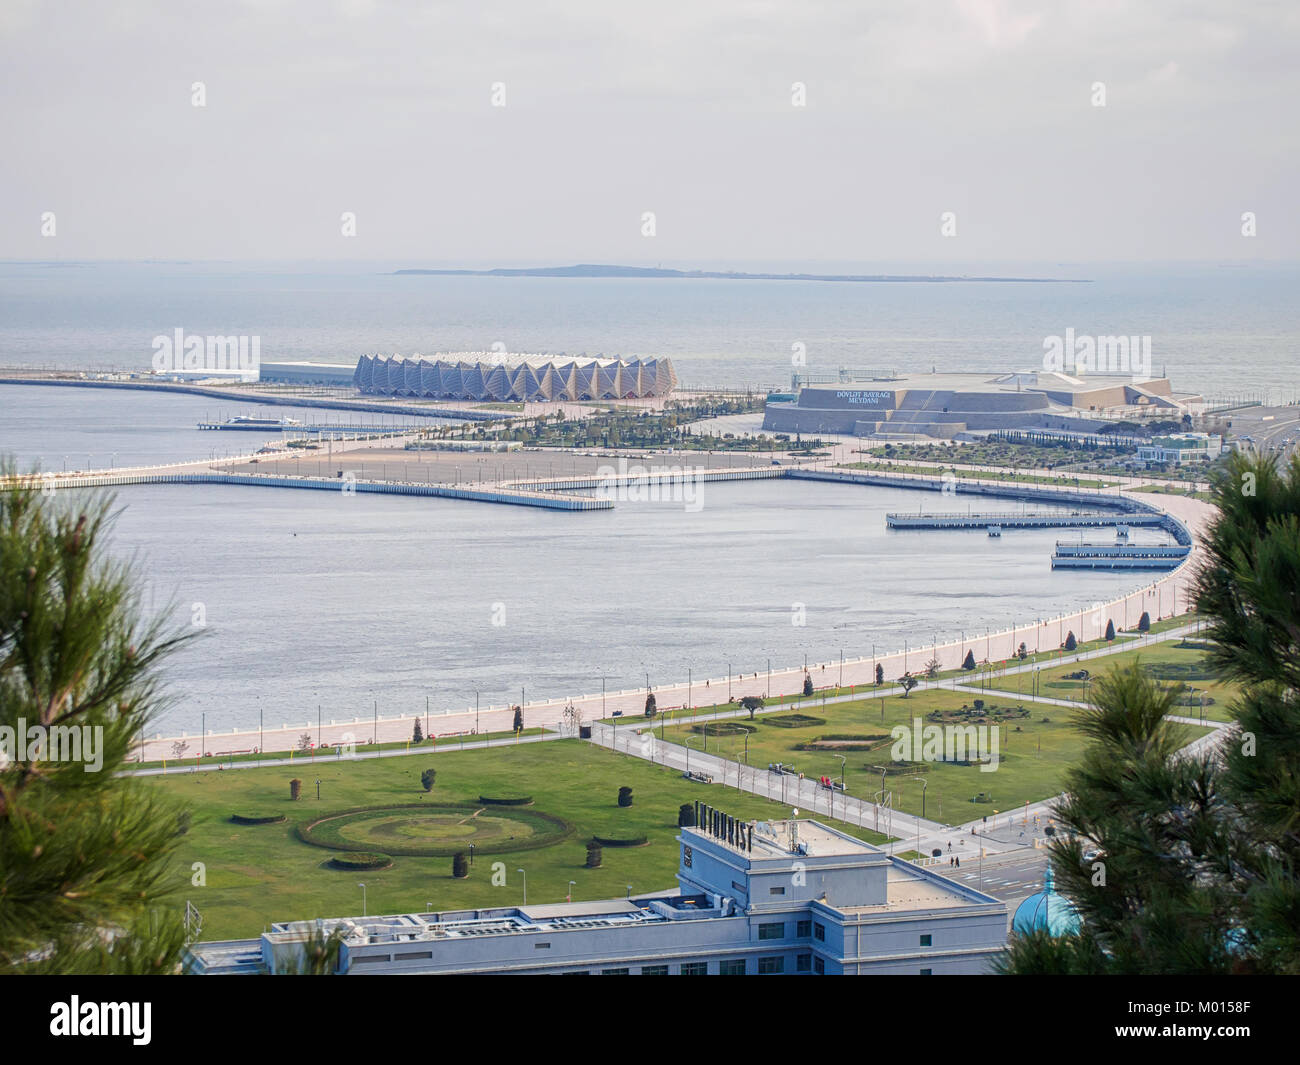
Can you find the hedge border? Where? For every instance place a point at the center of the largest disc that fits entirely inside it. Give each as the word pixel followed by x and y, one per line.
pixel 788 720
pixel 564 829
pixel 523 800
pixel 274 819
pixel 630 841
pixel 344 861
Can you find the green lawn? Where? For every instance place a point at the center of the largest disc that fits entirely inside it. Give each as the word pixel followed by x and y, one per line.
pixel 1169 662
pixel 190 755
pixel 259 874
pixel 1032 764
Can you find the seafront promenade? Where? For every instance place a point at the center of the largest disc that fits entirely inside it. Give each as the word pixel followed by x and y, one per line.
pixel 1167 596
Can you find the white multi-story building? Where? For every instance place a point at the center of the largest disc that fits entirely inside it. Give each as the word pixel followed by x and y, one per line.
pixel 789 897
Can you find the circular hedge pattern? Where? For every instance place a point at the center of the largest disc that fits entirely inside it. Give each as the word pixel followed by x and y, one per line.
pixel 242 819
pixel 423 830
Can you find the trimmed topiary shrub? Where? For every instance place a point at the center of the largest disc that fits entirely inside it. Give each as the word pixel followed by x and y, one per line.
pixel 356 861
pixel 459 865
pixel 427 779
pixel 295 788
pixel 686 815
pixel 243 819
pixel 807 684
pixel 1070 642
pixel 1144 622
pixel 969 661
pixel 625 796
pixel 593 855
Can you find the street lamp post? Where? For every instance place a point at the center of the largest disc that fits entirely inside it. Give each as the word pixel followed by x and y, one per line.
pixel 363 899
pixel 525 876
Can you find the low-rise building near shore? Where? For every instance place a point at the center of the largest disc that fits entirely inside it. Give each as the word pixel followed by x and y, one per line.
pixel 753 898
pixel 946 405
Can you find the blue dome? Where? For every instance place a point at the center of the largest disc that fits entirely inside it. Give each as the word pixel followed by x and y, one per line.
pixel 1047 912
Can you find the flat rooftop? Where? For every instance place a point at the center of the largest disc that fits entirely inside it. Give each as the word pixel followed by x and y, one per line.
pixel 772 840
pixel 908 890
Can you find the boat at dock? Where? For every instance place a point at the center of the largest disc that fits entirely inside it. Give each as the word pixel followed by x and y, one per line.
pixel 261 425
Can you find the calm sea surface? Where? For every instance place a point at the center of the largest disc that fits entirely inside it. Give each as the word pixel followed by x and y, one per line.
pixel 342 601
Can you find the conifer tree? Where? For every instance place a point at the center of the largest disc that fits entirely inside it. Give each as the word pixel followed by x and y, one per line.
pixel 85 856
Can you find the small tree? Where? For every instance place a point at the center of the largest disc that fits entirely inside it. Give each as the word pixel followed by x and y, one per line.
pixel 625 796
pixel 304 742
pixel 969 661
pixel 593 855
pixel 686 815
pixel 932 669
pixel 1110 630
pixel 651 707
pixel 427 779
pixel 459 865
pixel 752 703
pixel 908 682
pixel 519 719
pixel 1022 652
pixel 1144 622
pixel 179 748
pixel 1070 642
pixel 880 674
pixel 807 684
pixel 295 788
pixel 418 735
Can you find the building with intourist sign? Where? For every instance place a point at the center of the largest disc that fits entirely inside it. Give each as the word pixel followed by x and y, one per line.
pixel 753 898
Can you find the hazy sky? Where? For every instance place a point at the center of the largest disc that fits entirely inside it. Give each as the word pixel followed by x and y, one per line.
pixel 684 108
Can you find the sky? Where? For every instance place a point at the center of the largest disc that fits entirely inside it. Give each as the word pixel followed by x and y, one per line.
pixel 762 132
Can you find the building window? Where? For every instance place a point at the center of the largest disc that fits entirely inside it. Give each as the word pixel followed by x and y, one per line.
pixel 654 970
pixel 576 972
pixel 803 929
pixel 732 968
pixel 615 972
pixel 771 966
pixel 695 968
pixel 775 930
pixel 927 941
pixel 927 972
pixel 803 963
pixel 819 966
pixel 541 946
pixel 776 891
pixel 819 931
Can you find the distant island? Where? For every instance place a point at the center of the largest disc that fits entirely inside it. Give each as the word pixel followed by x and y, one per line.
pixel 593 270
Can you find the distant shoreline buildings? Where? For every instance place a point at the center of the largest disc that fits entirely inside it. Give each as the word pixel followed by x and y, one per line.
pixel 943 406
